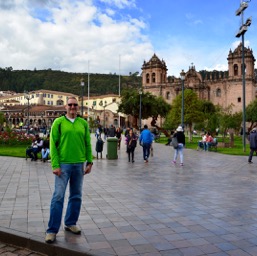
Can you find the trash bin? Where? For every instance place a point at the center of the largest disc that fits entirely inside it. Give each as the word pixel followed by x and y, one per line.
pixel 99 146
pixel 112 144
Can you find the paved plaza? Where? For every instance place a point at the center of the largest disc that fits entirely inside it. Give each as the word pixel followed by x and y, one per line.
pixel 206 207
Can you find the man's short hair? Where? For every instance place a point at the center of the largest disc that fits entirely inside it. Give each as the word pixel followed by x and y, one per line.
pixel 145 126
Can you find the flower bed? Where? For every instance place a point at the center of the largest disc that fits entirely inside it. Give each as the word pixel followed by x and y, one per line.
pixel 15 138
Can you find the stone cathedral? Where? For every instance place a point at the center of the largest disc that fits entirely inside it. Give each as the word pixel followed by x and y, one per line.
pixel 222 88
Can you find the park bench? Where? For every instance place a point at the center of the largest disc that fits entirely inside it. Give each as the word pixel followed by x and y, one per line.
pixel 214 145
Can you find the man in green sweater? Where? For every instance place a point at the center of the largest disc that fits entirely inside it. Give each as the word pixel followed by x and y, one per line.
pixel 70 148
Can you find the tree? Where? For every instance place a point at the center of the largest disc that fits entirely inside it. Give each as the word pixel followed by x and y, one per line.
pixel 228 120
pixel 251 114
pixel 151 105
pixel 2 120
pixel 192 111
pixel 211 116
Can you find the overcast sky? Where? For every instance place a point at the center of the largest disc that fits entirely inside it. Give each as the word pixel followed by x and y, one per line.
pixel 116 36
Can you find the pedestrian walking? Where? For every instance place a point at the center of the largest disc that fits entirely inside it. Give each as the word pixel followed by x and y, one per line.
pixel 179 149
pixel 146 141
pixel 70 148
pixel 111 131
pixel 118 133
pixel 131 140
pixel 253 143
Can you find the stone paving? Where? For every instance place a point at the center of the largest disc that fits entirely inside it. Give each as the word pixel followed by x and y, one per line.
pixel 206 207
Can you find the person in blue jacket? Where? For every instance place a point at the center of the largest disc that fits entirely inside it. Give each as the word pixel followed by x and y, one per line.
pixel 146 140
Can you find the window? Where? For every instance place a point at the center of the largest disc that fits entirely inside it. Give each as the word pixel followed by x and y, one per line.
pixel 153 77
pixel 167 95
pixel 239 99
pixel 60 102
pixel 218 92
pixel 147 78
pixel 235 70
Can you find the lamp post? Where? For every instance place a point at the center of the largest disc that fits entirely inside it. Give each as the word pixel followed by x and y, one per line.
pixel 182 76
pixel 105 105
pixel 88 91
pixel 241 32
pixel 82 84
pixel 140 109
pixel 26 96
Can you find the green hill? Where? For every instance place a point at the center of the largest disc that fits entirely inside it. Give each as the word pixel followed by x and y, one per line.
pixel 100 84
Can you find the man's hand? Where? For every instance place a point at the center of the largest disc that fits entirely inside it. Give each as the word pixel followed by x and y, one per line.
pixel 88 169
pixel 57 171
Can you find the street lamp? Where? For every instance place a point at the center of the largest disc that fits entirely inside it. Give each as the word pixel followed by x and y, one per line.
pixel 241 32
pixel 140 109
pixel 27 97
pixel 82 84
pixel 182 76
pixel 105 105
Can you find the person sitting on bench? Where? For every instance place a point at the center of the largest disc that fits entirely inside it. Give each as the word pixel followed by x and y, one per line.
pixel 36 147
pixel 45 150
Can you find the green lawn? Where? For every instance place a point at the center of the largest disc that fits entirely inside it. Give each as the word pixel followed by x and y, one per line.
pixel 236 150
pixel 19 151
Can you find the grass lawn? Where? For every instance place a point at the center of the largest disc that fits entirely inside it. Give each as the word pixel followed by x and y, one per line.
pixel 19 151
pixel 236 150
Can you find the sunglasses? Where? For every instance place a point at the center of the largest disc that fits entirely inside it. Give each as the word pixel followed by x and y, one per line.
pixel 72 104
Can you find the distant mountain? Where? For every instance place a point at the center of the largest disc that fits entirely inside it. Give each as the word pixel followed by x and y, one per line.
pixel 100 84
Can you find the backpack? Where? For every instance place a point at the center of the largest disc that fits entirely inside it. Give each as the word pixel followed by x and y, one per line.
pixel 174 142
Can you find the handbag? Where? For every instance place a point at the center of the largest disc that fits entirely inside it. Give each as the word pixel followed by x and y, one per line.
pixel 174 142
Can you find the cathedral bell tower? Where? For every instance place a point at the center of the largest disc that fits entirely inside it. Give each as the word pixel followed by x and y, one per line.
pixel 235 65
pixel 154 73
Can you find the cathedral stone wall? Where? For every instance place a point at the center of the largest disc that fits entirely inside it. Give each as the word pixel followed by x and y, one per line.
pixel 222 88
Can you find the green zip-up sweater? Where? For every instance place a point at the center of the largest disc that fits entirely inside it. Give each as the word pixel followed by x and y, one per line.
pixel 70 143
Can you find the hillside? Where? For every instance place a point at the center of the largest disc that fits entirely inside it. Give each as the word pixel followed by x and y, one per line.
pixel 100 84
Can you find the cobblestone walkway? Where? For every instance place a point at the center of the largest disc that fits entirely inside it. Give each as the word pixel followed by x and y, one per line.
pixel 206 207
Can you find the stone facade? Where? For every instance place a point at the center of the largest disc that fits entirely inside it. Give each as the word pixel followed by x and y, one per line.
pixel 222 88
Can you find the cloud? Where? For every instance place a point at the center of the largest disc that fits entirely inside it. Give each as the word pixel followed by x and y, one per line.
pixel 66 35
pixel 120 3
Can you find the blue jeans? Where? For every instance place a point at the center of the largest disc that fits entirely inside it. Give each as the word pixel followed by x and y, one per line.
pixel 45 152
pixel 72 173
pixel 146 150
pixel 179 151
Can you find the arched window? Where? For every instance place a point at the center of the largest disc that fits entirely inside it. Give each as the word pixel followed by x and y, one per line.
pixel 167 95
pixel 235 70
pixel 153 77
pixel 147 78
pixel 59 102
pixel 218 92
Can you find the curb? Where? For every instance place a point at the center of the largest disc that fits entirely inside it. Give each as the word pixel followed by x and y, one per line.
pixel 34 243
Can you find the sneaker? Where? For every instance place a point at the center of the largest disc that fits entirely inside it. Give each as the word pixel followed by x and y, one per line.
pixel 250 162
pixel 50 238
pixel 181 164
pixel 174 162
pixel 73 229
